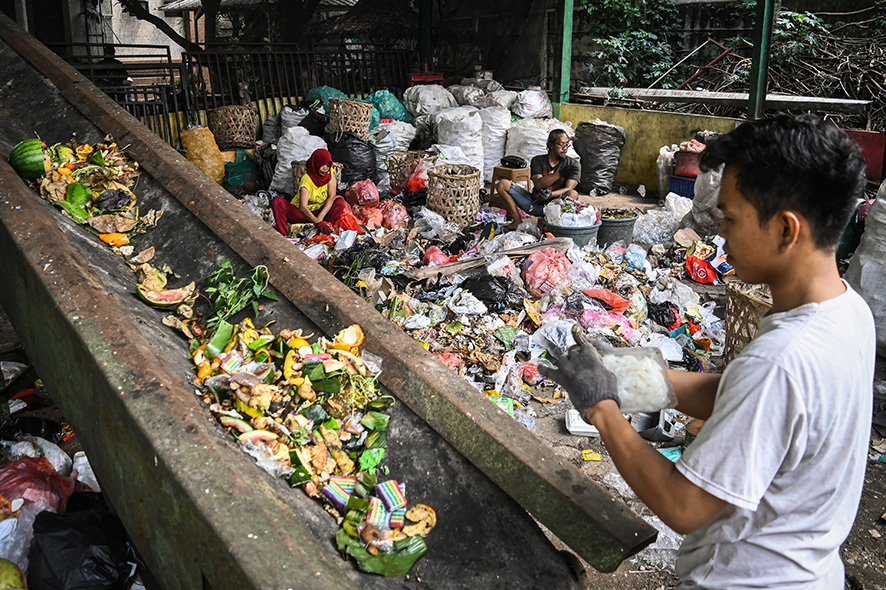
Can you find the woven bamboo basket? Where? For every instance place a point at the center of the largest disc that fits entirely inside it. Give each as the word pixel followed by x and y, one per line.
pixel 745 305
pixel 400 164
pixel 350 115
pixel 233 127
pixel 299 169
pixel 454 192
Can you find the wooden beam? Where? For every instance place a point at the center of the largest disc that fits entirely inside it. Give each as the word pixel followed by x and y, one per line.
pixel 740 99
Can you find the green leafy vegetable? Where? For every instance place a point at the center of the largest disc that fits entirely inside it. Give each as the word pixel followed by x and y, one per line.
pixel 396 562
pixel 229 293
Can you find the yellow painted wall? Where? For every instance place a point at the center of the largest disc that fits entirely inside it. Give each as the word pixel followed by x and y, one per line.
pixel 646 132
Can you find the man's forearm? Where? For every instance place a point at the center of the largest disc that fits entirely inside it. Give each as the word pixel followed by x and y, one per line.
pixel 696 392
pixel 679 503
pixel 540 181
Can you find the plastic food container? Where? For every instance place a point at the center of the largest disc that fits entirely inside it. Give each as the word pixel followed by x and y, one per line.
pixel 643 385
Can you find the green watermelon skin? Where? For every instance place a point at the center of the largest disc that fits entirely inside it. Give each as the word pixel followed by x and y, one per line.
pixel 27 159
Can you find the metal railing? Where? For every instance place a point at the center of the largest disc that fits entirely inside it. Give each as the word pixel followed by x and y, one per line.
pixel 144 80
pixel 278 75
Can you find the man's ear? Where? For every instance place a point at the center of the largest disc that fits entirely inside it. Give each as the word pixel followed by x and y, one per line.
pixel 789 227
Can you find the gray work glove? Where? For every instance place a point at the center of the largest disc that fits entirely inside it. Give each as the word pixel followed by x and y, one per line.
pixel 582 374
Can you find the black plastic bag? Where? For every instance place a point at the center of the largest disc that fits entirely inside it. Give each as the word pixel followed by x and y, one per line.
pixel 78 551
pixel 496 292
pixel 315 122
pixel 18 426
pixel 599 145
pixel 357 155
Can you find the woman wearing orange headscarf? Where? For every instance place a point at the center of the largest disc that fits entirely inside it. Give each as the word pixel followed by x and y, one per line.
pixel 316 201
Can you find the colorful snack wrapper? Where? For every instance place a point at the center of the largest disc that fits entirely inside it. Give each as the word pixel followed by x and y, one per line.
pixel 391 494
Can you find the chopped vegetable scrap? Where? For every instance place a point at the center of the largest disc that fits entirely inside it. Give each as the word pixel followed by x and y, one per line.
pixel 311 412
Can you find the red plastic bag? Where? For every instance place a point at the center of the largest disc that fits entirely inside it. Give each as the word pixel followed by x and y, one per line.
pixel 371 217
pixel 434 255
pixel 546 270
pixel 700 270
pixel 618 303
pixel 35 480
pixel 394 215
pixel 347 221
pixel 363 193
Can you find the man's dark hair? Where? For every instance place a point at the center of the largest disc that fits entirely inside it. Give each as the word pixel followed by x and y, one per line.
pixel 802 164
pixel 553 135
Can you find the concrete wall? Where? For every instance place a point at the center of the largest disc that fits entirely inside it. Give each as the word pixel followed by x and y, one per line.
pixel 646 132
pixel 128 29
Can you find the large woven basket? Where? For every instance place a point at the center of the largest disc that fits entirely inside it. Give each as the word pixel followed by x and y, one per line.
pixel 350 115
pixel 745 305
pixel 299 169
pixel 454 192
pixel 233 127
pixel 400 164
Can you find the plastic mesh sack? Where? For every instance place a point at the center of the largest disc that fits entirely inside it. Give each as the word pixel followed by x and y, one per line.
pixel 388 106
pixel 323 94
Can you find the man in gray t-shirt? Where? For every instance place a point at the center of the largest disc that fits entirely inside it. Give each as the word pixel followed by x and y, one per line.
pixel 768 491
pixel 553 175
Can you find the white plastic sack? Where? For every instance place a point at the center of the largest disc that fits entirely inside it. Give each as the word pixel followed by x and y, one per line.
pixel 498 98
pixel 400 133
pixel 463 127
pixel 290 118
pixel 529 138
pixel 496 122
pixel 485 84
pixel 427 99
pixel 450 154
pixel 867 273
pixel 533 103
pixel 704 217
pixel 466 95
pixel 295 145
pixel 384 143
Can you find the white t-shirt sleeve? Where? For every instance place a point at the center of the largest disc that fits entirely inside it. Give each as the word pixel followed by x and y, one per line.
pixel 757 428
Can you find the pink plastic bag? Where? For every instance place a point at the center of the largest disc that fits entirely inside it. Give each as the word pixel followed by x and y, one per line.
pixel 371 217
pixel 395 215
pixel 434 255
pixel 363 193
pixel 546 270
pixel 35 480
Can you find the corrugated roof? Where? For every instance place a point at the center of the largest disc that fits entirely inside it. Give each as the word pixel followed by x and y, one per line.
pixel 182 5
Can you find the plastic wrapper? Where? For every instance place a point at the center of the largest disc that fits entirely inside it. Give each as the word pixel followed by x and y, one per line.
pixel 463 302
pixel 358 156
pixel 435 256
pixel 296 145
pixel 486 84
pixel 635 257
pixel 529 138
pixel 496 122
pixel 606 323
pixel 401 133
pixel 463 127
pixel 600 145
pixel 431 224
pixel 450 154
pixel 555 337
pixel 323 94
pixel 583 275
pixel 533 103
pixel 643 385
pixel 638 308
pixel 704 217
pixel 427 99
pixel 34 446
pixel 394 215
pixel 362 193
pixel 202 151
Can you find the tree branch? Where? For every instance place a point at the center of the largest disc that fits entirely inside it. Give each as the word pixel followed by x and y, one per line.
pixel 139 12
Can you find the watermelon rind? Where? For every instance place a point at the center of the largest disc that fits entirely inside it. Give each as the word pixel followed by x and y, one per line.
pixel 27 159
pixel 166 299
